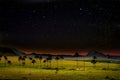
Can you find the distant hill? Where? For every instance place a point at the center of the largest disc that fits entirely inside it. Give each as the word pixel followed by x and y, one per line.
pixel 95 53
pixel 9 51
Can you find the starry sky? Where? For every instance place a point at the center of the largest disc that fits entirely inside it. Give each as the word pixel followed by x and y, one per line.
pixel 60 24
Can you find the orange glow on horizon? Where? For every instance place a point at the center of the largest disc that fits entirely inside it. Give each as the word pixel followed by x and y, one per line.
pixel 113 53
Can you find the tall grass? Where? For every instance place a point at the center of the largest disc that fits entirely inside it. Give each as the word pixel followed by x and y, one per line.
pixel 69 72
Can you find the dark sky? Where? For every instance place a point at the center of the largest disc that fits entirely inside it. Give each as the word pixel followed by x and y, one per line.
pixel 60 24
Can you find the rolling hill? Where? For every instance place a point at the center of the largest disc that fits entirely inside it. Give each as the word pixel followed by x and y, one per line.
pixel 4 51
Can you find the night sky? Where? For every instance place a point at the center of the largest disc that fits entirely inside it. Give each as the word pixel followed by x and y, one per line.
pixel 60 24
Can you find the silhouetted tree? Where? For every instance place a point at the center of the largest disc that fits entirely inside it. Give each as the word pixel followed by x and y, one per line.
pixel 61 57
pixel 49 59
pixel 23 63
pixel 84 61
pixel 57 58
pixel 44 61
pixel 33 53
pixel 9 62
pixel 20 62
pixel 40 58
pixel 107 78
pixel 25 57
pixel 30 58
pixel 94 57
pixel 56 70
pixel 93 61
pixel 36 56
pixel 19 58
pixel 23 60
pixel 33 62
pixel 5 58
pixel 76 55
pixel 108 57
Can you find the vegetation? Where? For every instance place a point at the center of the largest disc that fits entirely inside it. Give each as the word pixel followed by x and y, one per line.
pixel 14 69
pixel 93 61
pixel 76 55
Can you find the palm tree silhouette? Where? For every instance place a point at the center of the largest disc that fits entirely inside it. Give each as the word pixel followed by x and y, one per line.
pixel 107 78
pixel 20 59
pixel 23 61
pixel 20 62
pixel 30 58
pixel 44 61
pixel 56 70
pixel 61 57
pixel 49 59
pixel 84 62
pixel 33 62
pixel 40 58
pixel 9 62
pixel 5 57
pixel 36 56
pixel 94 57
pixel 25 57
pixel 93 61
pixel 76 55
pixel 57 58
pixel 108 57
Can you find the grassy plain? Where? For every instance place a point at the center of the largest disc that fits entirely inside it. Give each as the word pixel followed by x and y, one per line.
pixel 67 70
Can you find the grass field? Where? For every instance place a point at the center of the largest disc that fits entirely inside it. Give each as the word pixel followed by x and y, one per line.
pixel 67 70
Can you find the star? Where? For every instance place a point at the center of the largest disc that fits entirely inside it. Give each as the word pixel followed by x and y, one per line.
pixel 43 17
pixel 80 9
pixel 89 13
pixel 34 11
pixel 59 19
